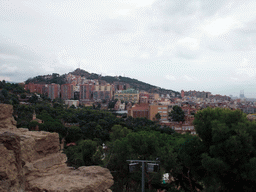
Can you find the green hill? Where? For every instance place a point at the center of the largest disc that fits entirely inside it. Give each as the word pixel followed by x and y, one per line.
pixel 134 83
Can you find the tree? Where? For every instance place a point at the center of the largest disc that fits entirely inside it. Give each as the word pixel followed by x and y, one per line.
pixel 112 103
pixel 119 132
pixel 23 96
pixel 32 125
pixel 158 116
pixel 5 93
pixel 89 152
pixel 223 158
pixel 177 114
pixel 143 145
pixel 33 99
pixel 85 153
pixel 74 134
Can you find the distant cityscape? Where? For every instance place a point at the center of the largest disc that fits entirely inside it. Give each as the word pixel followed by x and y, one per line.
pixel 78 90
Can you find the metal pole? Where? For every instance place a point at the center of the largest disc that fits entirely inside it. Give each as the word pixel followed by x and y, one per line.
pixel 142 181
pixel 143 171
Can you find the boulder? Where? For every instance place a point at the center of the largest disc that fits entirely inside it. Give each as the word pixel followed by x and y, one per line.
pixel 31 161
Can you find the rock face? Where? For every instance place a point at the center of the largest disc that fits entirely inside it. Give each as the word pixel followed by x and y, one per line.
pixel 31 161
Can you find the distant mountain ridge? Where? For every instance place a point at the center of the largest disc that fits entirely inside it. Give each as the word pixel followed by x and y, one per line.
pixel 134 83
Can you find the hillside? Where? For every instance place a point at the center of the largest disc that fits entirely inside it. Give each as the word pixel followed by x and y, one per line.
pixel 134 83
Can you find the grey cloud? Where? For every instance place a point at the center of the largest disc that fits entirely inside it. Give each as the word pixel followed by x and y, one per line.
pixel 22 52
pixel 17 11
pixel 231 41
pixel 188 7
pixel 170 8
pixel 211 7
pixel 116 26
pixel 248 28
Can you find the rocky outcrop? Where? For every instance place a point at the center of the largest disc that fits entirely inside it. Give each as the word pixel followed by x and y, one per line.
pixel 31 161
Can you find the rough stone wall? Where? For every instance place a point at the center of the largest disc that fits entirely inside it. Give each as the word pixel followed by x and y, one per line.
pixel 31 161
pixel 11 173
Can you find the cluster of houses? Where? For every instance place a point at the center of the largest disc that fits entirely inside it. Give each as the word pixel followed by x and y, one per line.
pixel 137 103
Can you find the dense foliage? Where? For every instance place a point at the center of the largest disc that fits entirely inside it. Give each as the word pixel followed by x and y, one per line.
pixel 177 114
pixel 9 92
pixel 55 79
pixel 221 158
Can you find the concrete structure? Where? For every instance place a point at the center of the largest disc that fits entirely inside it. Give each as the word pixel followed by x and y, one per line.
pixel 53 91
pixel 161 109
pixel 121 85
pixel 86 91
pixel 144 97
pixel 153 97
pixel 67 91
pixel 194 93
pixel 102 92
pixel 72 102
pixel 35 88
pixel 129 95
pixel 139 111
pixel 119 106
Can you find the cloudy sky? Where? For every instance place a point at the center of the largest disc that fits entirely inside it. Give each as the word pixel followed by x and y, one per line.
pixel 204 45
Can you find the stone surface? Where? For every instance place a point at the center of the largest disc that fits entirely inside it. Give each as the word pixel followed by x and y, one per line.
pixel 31 161
pixel 6 118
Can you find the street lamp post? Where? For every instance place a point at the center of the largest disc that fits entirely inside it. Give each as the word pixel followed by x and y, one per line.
pixel 143 170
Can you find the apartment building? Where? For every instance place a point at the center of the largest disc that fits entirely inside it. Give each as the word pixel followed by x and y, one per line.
pixel 86 91
pixel 161 109
pixel 129 95
pixel 67 91
pixel 35 88
pixel 144 97
pixel 102 92
pixel 53 91
pixel 139 111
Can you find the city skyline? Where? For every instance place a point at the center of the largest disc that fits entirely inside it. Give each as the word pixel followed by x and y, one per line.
pixel 190 45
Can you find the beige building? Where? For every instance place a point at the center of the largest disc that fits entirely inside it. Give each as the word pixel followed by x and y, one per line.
pixel 153 97
pixel 161 109
pixel 130 95
pixel 72 102
pixel 103 92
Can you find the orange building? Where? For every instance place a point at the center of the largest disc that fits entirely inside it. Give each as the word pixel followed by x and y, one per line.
pixel 161 109
pixel 35 88
pixel 139 111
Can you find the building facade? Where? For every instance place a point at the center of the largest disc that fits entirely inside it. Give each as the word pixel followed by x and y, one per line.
pixel 86 91
pixel 67 91
pixel 161 109
pixel 53 91
pixel 129 95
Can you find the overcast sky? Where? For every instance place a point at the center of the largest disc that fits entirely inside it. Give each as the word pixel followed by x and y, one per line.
pixel 204 45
